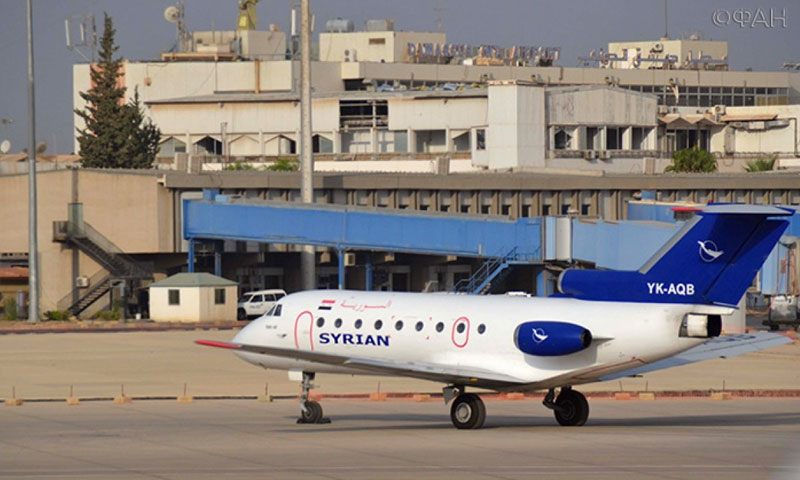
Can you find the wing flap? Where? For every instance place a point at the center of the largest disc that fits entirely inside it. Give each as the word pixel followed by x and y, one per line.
pixel 720 347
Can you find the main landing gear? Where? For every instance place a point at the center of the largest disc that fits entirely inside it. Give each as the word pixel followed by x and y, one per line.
pixel 570 407
pixel 468 410
pixel 310 411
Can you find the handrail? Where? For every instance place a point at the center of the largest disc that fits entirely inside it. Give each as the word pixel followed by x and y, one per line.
pixel 484 271
pixel 67 301
pixel 133 267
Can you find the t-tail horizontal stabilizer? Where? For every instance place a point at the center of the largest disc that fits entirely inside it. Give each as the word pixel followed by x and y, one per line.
pixel 711 260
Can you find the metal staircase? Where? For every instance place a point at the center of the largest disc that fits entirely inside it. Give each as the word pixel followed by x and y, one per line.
pixel 117 266
pixel 489 275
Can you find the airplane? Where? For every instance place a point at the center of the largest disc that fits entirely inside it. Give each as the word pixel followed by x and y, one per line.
pixel 602 325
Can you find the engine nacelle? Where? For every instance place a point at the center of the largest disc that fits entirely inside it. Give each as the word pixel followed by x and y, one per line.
pixel 701 326
pixel 550 339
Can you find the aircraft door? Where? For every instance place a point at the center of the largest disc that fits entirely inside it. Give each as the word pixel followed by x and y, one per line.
pixel 304 331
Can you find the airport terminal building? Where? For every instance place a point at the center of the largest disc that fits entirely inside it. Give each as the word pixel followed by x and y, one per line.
pixel 405 122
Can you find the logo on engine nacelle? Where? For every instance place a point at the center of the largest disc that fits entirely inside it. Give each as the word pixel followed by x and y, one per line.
pixel 538 335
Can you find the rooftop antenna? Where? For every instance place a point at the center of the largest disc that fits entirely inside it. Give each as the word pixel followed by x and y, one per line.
pixel 87 32
pixel 666 22
pixel 439 9
pixel 177 14
pixel 5 146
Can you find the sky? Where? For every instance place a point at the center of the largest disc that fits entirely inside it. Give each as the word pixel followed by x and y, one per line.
pixel 576 26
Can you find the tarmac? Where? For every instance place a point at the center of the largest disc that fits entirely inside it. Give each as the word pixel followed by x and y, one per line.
pixel 224 431
pixel 666 439
pixel 164 363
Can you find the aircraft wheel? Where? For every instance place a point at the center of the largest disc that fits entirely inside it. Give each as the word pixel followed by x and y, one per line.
pixel 468 411
pixel 572 408
pixel 312 413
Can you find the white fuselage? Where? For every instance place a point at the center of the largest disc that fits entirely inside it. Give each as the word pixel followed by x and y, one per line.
pixel 473 332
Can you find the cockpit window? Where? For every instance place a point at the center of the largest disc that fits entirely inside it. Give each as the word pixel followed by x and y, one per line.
pixel 271 311
pixel 277 312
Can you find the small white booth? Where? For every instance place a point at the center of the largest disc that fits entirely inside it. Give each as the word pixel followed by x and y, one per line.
pixel 193 297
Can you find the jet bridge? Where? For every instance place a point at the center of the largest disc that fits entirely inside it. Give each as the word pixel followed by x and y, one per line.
pixel 223 217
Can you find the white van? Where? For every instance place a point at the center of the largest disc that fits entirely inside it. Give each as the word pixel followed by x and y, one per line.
pixel 255 304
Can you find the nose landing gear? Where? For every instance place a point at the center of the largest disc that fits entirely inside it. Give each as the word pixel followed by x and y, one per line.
pixel 310 411
pixel 468 410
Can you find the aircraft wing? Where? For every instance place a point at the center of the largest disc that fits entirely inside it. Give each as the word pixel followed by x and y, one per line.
pixel 455 374
pixel 720 347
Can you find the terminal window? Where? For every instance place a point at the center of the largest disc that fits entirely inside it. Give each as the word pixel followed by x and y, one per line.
pixel 174 297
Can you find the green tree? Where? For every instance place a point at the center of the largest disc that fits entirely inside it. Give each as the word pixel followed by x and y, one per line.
pixel 692 160
pixel 142 137
pixel 285 164
pixel 115 133
pixel 763 163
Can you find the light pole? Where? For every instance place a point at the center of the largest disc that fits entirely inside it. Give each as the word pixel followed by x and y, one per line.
pixel 307 256
pixel 33 251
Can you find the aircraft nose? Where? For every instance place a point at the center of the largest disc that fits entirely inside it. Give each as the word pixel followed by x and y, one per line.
pixel 247 335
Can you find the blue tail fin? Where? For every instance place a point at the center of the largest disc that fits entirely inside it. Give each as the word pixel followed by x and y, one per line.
pixel 711 260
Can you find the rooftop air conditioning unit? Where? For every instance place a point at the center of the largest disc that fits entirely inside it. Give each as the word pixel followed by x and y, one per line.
pixel 350 55
pixel 719 109
pixel 82 282
pixel 663 109
pixel 589 154
pixel 604 155
pixel 349 259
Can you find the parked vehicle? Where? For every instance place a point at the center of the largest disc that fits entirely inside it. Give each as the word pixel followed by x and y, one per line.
pixel 255 304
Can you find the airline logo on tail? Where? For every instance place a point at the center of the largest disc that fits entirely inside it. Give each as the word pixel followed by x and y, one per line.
pixel 708 251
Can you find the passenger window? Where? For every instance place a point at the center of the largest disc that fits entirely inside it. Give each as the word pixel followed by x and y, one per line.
pixel 419 326
pixel 398 325
pixel 358 324
pixel 439 327
pixel 257 299
pixel 378 324
pixel 269 297
pixel 320 321
pixel 460 328
pixel 278 309
pixel 279 296
pixel 271 311
pixel 337 323
pixel 481 328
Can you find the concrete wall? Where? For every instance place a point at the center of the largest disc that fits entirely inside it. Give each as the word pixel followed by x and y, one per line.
pixel 188 309
pixel 132 210
pixel 753 139
pixel 248 124
pixel 600 106
pixel 516 133
pixel 436 113
pixel 387 46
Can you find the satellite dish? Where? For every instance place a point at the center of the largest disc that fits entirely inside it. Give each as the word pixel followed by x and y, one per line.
pixel 5 146
pixel 172 14
pixel 41 147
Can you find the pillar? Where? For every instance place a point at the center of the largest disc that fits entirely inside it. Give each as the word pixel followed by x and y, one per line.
pixel 341 268
pixel 191 256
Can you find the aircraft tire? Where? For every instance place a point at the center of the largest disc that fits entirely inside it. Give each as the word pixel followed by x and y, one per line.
pixel 312 413
pixel 573 408
pixel 468 412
